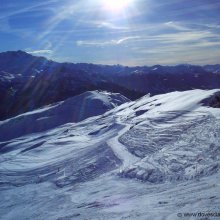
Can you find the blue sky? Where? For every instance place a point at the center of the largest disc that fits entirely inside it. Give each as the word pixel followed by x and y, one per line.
pixel 144 32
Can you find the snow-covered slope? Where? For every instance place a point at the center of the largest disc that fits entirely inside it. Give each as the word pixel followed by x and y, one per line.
pixel 149 159
pixel 74 109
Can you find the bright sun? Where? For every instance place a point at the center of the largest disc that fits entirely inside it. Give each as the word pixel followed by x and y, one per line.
pixel 116 5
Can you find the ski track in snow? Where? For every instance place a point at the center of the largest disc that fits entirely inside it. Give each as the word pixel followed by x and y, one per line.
pixel 120 150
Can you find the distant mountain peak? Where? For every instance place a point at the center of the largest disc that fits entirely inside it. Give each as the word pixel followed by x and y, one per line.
pixel 17 52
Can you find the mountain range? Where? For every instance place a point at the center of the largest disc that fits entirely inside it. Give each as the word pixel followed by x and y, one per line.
pixel 28 82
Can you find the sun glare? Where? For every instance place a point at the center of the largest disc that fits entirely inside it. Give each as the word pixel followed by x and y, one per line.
pixel 116 5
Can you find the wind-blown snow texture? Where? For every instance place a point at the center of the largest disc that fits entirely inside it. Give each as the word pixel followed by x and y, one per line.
pixel 148 159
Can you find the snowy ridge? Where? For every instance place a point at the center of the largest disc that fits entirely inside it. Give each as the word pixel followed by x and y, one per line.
pixel 90 169
pixel 74 109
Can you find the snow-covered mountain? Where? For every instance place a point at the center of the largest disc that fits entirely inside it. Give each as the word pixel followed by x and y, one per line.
pixel 154 158
pixel 74 109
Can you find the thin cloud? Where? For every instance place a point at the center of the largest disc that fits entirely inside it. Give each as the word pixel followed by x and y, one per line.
pixel 26 9
pixel 177 26
pixel 105 43
pixel 40 52
pixel 102 24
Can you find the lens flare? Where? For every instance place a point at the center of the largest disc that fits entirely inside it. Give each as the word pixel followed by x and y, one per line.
pixel 116 5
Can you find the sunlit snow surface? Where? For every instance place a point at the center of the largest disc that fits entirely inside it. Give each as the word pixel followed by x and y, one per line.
pixel 149 159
